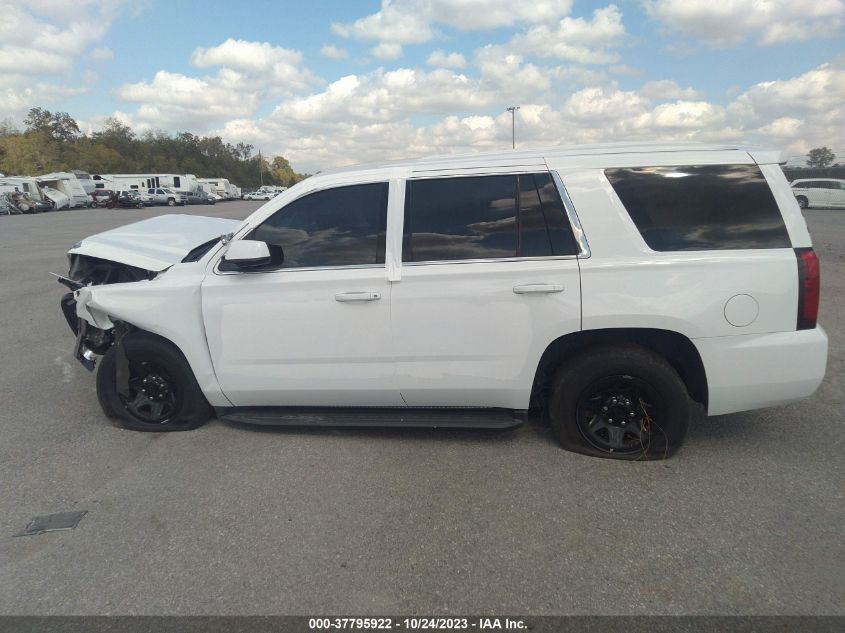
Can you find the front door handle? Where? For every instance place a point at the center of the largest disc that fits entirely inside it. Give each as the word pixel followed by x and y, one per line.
pixel 525 289
pixel 348 297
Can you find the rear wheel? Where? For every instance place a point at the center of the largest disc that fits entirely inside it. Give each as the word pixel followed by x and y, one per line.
pixel 160 392
pixel 803 202
pixel 621 402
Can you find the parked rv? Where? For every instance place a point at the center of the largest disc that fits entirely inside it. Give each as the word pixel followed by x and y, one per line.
pixel 180 183
pixel 221 186
pixel 59 199
pixel 85 181
pixel 13 200
pixel 68 184
pixel 34 191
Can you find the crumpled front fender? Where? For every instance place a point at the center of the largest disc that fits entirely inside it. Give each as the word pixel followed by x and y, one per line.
pixel 86 308
pixel 170 306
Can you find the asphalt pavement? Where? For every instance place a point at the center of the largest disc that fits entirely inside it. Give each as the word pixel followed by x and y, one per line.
pixel 745 519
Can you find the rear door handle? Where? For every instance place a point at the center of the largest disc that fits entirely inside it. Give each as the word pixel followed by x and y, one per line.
pixel 525 289
pixel 347 297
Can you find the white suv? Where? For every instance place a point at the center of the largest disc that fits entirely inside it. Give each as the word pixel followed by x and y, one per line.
pixel 819 192
pixel 606 287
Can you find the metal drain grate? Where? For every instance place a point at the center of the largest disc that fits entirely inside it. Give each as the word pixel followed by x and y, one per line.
pixel 53 523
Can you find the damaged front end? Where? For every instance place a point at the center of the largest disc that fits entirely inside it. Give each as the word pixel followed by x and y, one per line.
pixel 136 253
pixel 95 333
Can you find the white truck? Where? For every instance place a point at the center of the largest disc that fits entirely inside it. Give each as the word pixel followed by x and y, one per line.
pixel 466 291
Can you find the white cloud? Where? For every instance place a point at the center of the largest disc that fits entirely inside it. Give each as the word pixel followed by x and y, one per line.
pixel 729 22
pixel 415 21
pixel 275 65
pixel 441 59
pixel 574 39
pixel 387 50
pixel 18 93
pixel 102 53
pixel 624 69
pixel 371 118
pixel 46 37
pixel 333 52
pixel 28 60
pixel 386 96
pixel 41 38
pixel 177 101
pixel 665 90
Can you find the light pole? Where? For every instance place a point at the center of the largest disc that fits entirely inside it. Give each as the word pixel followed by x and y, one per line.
pixel 513 110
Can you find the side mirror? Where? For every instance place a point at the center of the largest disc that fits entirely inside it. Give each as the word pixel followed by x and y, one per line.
pixel 245 254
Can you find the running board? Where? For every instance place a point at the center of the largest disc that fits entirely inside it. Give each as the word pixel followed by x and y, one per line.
pixel 442 417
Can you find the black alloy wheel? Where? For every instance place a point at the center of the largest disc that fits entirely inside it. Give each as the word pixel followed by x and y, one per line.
pixel 153 397
pixel 157 391
pixel 619 414
pixel 619 401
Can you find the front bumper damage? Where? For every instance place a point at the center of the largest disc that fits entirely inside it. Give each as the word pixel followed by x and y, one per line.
pixel 94 333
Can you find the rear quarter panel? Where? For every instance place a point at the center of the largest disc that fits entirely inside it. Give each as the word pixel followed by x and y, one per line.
pixel 625 284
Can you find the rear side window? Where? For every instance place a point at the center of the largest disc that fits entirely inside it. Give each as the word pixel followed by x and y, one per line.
pixel 485 217
pixel 701 207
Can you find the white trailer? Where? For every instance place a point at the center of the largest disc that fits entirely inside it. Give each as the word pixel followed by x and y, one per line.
pixel 84 179
pixel 181 183
pixel 37 191
pixel 27 185
pixel 221 186
pixel 68 184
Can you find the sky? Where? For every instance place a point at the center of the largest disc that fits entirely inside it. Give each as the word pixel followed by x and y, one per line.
pixel 331 83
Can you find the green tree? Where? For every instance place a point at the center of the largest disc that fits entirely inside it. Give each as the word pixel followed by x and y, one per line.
pixel 52 142
pixel 820 157
pixel 59 126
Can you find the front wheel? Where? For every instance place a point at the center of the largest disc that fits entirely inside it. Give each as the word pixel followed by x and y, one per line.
pixel 159 391
pixel 803 202
pixel 171 202
pixel 619 402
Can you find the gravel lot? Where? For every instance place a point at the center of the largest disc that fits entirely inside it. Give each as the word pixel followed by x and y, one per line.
pixel 746 519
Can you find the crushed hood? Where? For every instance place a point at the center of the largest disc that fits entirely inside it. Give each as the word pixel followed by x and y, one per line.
pixel 156 243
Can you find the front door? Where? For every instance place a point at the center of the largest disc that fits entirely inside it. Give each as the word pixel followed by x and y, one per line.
pixel 313 328
pixel 489 278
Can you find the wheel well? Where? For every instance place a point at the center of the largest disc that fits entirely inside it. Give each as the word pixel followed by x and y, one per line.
pixel 674 347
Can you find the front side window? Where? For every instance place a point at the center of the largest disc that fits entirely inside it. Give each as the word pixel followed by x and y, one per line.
pixel 701 207
pixel 344 226
pixel 484 217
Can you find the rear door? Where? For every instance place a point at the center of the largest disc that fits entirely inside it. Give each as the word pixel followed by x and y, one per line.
pixel 489 277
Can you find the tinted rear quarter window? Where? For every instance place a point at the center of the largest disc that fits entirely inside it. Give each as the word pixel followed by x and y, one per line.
pixel 485 217
pixel 701 207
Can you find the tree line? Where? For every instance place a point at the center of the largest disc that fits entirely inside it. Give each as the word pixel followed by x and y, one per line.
pixel 52 141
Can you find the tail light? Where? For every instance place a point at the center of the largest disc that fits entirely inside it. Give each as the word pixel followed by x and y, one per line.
pixel 809 283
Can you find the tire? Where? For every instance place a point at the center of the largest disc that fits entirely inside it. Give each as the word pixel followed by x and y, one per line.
pixel 803 202
pixel 644 392
pixel 171 202
pixel 182 405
